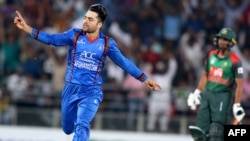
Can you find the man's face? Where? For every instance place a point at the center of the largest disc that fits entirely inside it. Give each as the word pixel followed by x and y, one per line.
pixel 223 43
pixel 91 23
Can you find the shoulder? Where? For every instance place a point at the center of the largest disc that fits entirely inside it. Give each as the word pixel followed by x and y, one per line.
pixel 212 52
pixel 234 58
pixel 111 40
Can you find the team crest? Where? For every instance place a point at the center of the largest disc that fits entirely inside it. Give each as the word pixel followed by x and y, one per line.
pixel 225 64
pixel 224 31
pixel 100 46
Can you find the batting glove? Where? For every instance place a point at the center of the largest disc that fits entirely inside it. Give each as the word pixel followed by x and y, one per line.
pixel 238 112
pixel 194 99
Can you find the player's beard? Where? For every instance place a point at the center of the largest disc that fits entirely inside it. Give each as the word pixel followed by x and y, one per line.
pixel 223 48
pixel 88 29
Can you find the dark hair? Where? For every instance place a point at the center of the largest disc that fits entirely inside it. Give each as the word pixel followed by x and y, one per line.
pixel 100 10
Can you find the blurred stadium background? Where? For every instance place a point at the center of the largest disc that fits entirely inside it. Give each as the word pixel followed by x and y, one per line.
pixel 147 32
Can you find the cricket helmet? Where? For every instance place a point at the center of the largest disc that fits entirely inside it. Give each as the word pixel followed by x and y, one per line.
pixel 226 33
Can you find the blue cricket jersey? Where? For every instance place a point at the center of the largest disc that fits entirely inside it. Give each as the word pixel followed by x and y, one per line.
pixel 86 60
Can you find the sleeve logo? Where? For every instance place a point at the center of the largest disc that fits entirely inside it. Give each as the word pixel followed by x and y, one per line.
pixel 240 70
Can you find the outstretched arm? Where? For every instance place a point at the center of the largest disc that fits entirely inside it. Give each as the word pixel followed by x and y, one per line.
pixel 116 56
pixel 21 23
pixel 59 39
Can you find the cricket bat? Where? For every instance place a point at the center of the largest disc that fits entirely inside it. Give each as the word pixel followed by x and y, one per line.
pixel 236 122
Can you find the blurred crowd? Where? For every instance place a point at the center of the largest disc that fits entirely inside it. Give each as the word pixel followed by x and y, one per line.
pixel 167 39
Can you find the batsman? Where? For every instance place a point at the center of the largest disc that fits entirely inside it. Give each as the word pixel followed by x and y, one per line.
pixel 219 90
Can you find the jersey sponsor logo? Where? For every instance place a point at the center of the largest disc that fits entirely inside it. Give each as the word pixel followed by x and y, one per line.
pixel 87 56
pixel 215 75
pixel 219 80
pixel 214 71
pixel 87 66
pixel 240 70
pixel 86 61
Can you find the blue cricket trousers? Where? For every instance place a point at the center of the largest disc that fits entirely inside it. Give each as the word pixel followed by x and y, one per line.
pixel 79 105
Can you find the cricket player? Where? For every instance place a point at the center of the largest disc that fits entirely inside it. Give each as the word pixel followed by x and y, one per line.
pixel 219 90
pixel 87 53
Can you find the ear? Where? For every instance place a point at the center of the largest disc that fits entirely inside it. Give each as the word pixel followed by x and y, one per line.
pixel 99 24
